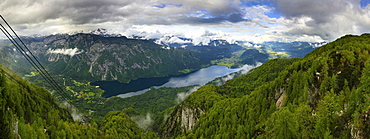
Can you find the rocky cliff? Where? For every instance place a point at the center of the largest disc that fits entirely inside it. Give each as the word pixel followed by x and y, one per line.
pixel 92 57
pixel 323 95
pixel 186 114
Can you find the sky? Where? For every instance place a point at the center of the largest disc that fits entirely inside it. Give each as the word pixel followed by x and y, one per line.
pixel 233 20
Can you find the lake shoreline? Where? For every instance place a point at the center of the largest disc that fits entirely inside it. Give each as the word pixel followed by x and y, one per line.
pixel 138 86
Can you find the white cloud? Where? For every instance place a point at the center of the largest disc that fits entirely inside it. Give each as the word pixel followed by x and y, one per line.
pixel 246 68
pixel 247 44
pixel 170 39
pixel 243 70
pixel 299 20
pixel 177 40
pixel 164 35
pixel 75 113
pixel 71 52
pixel 143 121
pixel 181 96
pixel 327 19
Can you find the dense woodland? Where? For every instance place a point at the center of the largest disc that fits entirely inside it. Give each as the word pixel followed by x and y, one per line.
pixel 323 95
pixel 29 111
pixel 326 94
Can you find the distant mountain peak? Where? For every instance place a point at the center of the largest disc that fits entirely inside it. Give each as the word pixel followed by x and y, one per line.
pixel 100 31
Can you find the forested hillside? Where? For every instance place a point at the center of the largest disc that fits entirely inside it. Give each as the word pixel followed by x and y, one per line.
pixel 326 94
pixel 323 95
pixel 29 111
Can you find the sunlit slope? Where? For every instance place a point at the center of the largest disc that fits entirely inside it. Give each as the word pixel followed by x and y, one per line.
pixel 29 111
pixel 24 104
pixel 324 94
pixel 89 57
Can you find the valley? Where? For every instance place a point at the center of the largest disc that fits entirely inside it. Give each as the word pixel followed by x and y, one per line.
pixel 199 77
pixel 158 109
pixel 192 69
pixel 86 58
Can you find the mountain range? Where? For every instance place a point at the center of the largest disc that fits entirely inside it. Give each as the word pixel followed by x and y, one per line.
pixel 91 57
pixel 325 94
pixel 98 56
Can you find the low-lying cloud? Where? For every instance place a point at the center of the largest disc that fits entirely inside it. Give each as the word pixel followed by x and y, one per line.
pixel 76 115
pixel 143 121
pixel 243 70
pixel 71 52
pixel 181 96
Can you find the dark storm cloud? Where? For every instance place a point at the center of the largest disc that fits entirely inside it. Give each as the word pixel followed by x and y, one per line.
pixel 328 19
pixel 95 11
pixel 76 11
pixel 227 17
pixel 135 12
pixel 320 10
pixel 191 13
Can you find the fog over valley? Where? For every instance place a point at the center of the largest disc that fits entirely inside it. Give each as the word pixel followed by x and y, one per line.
pixel 165 69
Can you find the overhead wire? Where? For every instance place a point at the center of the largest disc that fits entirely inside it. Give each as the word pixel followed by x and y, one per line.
pixel 32 59
pixel 43 69
pixel 28 58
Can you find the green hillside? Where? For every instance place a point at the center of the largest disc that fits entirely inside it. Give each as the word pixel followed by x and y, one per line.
pixel 323 95
pixel 89 57
pixel 29 111
pixel 326 94
pixel 24 105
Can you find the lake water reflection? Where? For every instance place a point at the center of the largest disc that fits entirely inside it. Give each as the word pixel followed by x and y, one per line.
pixel 140 86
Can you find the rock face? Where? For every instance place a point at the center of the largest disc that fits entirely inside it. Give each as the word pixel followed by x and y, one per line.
pixel 189 117
pixel 182 119
pixel 185 116
pixel 92 57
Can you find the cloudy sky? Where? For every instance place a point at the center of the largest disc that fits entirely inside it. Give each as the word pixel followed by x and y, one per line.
pixel 248 20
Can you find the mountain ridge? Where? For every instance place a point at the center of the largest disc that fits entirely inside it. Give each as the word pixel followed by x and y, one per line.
pixel 92 57
pixel 324 94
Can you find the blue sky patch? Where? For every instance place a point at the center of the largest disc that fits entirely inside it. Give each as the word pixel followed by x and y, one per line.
pixel 364 3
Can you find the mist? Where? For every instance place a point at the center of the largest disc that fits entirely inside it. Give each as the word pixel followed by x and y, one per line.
pixel 143 121
pixel 76 115
pixel 243 70
pixel 181 96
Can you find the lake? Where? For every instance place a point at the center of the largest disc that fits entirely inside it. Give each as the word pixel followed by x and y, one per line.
pixel 140 86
